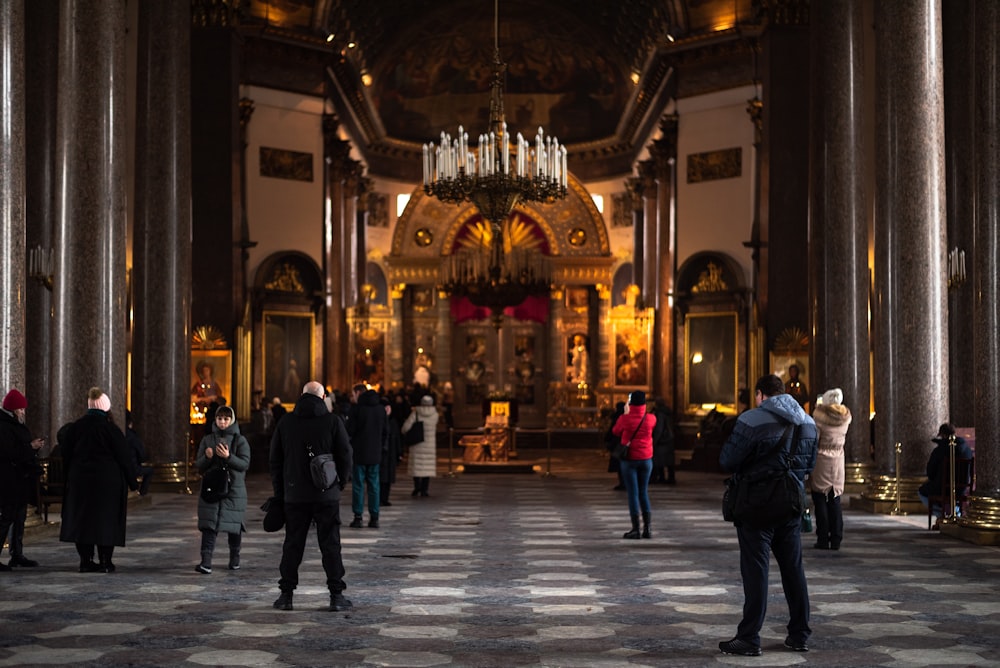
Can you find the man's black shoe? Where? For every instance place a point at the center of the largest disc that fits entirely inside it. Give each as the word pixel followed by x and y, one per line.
pixel 358 522
pixel 283 602
pixel 796 645
pixel 739 647
pixel 21 560
pixel 5 567
pixel 338 603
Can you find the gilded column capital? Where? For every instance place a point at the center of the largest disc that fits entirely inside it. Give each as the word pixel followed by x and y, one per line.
pixel 647 176
pixel 216 13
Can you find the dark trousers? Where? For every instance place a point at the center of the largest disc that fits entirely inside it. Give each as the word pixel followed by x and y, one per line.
pixel 421 484
pixel 829 519
pixel 12 519
pixel 86 552
pixel 756 546
pixel 298 518
pixel 208 544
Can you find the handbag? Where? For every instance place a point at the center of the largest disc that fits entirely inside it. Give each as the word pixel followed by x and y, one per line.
pixel 274 518
pixel 415 434
pixel 767 498
pixel 322 469
pixel 620 450
pixel 807 521
pixel 215 484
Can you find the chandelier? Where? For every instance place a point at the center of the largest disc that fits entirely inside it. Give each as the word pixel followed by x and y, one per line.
pixel 490 277
pixel 496 176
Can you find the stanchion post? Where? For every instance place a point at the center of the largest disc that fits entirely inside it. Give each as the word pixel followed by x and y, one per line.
pixel 187 465
pixel 451 440
pixel 898 510
pixel 951 509
pixel 548 454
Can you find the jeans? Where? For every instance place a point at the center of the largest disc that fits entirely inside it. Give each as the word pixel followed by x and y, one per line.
pixel 365 476
pixel 756 546
pixel 298 518
pixel 636 472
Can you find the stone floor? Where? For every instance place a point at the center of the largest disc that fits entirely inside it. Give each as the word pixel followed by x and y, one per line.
pixel 503 570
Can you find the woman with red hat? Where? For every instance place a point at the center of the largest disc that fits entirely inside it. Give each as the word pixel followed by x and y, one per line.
pixel 19 472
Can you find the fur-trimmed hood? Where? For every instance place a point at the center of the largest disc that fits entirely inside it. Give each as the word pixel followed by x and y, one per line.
pixel 832 415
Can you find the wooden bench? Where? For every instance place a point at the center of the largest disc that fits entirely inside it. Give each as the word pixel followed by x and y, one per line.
pixel 51 485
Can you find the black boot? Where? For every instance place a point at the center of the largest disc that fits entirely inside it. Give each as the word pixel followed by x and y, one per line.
pixel 416 487
pixel 357 522
pixel 634 533
pixel 104 553
pixel 235 540
pixel 645 526
pixel 283 602
pixel 373 520
pixel 207 548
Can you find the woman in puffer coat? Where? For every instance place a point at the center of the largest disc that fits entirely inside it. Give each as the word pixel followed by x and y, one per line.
pixel 225 446
pixel 635 427
pixel 423 456
pixel 826 482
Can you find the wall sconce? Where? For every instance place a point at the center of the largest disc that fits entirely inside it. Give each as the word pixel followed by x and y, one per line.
pixel 956 267
pixel 41 265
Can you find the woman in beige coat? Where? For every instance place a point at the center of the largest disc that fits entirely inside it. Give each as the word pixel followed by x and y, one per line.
pixel 826 482
pixel 423 455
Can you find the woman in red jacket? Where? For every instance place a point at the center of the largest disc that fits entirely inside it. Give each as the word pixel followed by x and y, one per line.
pixel 635 428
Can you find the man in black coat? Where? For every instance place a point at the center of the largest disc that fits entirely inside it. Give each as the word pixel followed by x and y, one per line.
pixel 18 476
pixel 369 432
pixel 310 429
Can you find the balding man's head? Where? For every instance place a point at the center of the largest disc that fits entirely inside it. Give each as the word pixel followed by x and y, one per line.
pixel 315 388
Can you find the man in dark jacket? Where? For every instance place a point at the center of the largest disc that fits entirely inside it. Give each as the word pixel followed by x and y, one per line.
pixel 18 476
pixel 369 432
pixel 309 427
pixel 761 440
pixel 939 464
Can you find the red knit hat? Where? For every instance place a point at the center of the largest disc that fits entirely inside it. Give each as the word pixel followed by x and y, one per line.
pixel 14 400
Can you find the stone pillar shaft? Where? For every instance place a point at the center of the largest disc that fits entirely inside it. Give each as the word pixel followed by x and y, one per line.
pixel 42 23
pixel 161 364
pixel 961 145
pixel 664 153
pixel 911 381
pixel 986 281
pixel 336 354
pixel 89 292
pixel 12 192
pixel 838 229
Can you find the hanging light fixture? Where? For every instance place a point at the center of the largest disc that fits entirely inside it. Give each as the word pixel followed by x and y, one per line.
pixel 495 177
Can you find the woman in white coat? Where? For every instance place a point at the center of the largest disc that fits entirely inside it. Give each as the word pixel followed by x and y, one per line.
pixel 423 456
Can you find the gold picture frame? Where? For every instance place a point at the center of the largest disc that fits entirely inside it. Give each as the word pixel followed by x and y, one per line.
pixel 288 354
pixel 630 355
pixel 711 360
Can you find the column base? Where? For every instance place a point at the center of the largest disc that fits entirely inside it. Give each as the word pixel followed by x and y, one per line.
pixel 887 496
pixel 857 477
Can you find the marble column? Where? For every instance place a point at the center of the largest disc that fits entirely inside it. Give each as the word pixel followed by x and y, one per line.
pixel 664 152
pixel 911 356
pixel 336 353
pixel 960 145
pixel 643 218
pixel 161 247
pixel 42 23
pixel 89 346
pixel 12 194
pixel 838 227
pixel 986 280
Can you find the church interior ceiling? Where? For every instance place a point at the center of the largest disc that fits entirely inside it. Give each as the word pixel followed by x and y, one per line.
pixel 598 75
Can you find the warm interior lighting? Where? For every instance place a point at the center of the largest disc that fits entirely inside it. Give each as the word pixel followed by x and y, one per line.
pixel 495 175
pixel 401 201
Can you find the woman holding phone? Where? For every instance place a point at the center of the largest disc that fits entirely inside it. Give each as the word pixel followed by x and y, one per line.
pixel 224 447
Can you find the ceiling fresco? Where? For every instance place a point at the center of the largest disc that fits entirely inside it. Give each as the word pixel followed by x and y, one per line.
pixel 598 75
